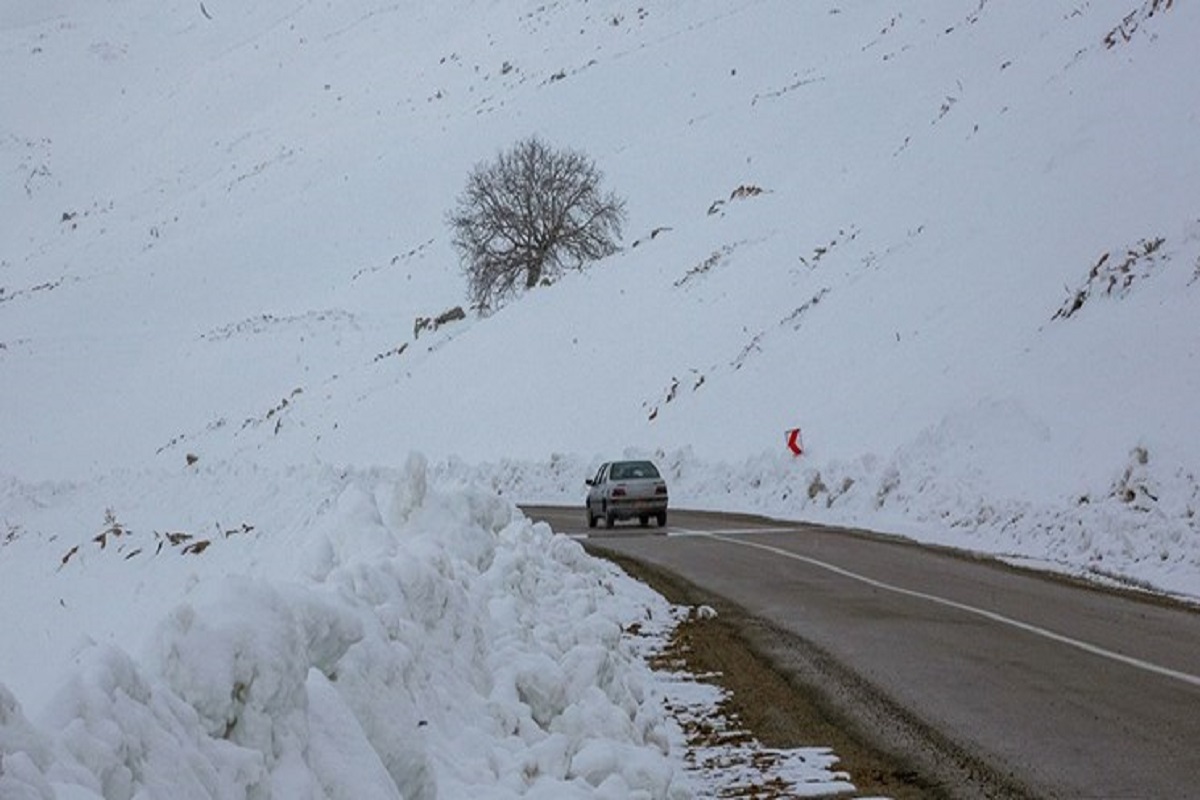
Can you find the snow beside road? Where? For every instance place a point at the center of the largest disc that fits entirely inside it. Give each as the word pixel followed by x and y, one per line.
pixel 1135 530
pixel 342 634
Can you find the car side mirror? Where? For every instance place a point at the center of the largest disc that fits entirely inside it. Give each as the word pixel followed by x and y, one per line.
pixel 589 482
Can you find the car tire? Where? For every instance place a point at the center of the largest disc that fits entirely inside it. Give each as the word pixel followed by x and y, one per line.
pixel 644 520
pixel 610 519
pixel 590 517
pixel 662 519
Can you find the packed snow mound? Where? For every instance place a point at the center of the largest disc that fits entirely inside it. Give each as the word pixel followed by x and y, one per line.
pixel 394 639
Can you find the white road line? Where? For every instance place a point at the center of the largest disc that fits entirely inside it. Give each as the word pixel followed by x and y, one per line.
pixel 670 531
pixel 728 531
pixel 1138 663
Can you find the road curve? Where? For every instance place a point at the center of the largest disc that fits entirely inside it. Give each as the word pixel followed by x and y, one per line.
pixel 1052 688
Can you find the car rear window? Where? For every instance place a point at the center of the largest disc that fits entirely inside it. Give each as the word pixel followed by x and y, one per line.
pixel 631 470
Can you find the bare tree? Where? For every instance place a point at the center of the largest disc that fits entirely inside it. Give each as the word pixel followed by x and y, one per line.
pixel 528 216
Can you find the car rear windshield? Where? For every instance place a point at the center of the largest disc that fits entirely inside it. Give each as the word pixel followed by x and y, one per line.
pixel 631 470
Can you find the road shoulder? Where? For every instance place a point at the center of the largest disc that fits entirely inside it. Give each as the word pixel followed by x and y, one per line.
pixel 789 694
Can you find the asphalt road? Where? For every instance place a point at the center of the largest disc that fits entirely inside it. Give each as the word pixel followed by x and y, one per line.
pixel 1032 685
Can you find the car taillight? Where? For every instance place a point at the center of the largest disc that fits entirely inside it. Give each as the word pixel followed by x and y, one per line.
pixel 618 491
pixel 660 489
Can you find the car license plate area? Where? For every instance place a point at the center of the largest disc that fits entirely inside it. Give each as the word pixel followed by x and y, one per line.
pixel 640 504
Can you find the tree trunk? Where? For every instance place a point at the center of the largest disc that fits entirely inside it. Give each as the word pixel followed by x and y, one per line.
pixel 533 274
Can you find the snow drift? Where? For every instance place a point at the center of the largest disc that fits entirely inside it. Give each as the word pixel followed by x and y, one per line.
pixel 404 641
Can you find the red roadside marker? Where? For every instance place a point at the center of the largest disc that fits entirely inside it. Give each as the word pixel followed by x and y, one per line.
pixel 794 443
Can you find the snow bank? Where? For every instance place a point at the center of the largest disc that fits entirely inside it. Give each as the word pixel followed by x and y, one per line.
pixel 1139 527
pixel 371 635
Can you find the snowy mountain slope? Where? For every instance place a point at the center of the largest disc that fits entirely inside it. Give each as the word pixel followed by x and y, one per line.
pixel 939 179
pixel 935 195
pixel 958 243
pixel 220 224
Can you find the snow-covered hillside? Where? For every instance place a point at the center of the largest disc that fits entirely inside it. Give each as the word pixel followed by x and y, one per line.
pixel 957 242
pixel 973 261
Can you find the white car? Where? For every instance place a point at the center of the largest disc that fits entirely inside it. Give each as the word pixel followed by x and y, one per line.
pixel 624 490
